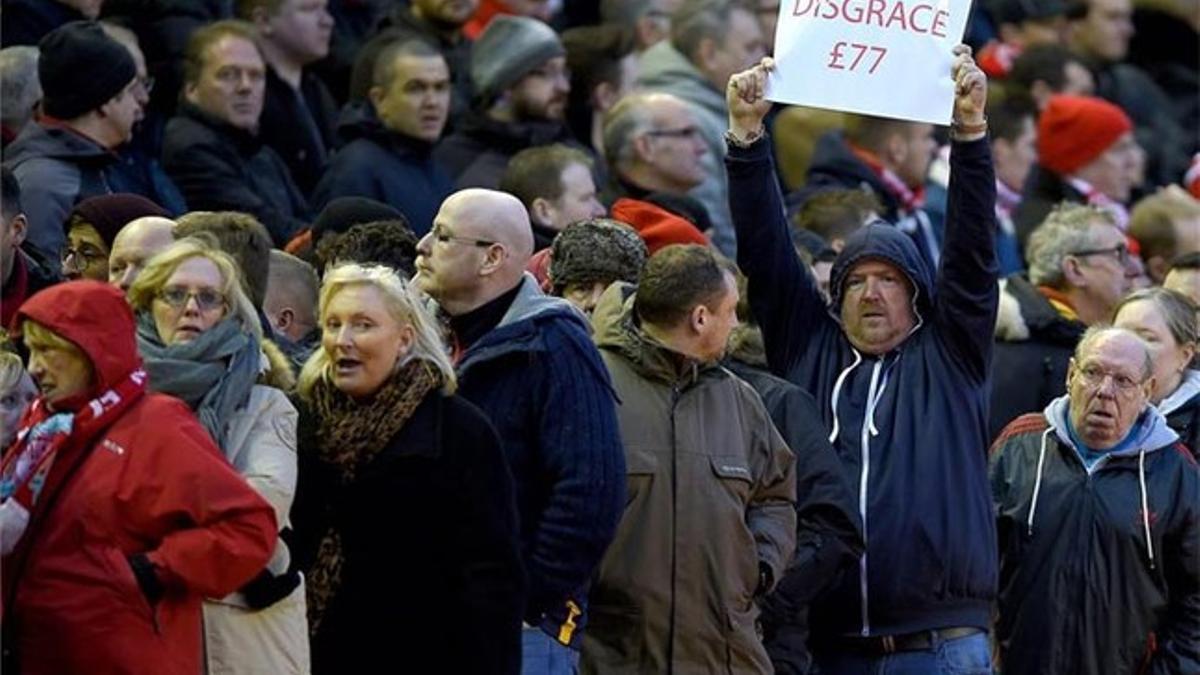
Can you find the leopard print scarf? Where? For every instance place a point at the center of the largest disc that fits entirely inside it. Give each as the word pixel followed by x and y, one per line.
pixel 349 436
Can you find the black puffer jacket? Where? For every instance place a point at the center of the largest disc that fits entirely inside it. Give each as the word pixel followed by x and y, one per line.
pixel 1083 588
pixel 1033 345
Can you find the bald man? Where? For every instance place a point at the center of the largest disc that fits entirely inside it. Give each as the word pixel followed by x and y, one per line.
pixel 527 360
pixel 136 243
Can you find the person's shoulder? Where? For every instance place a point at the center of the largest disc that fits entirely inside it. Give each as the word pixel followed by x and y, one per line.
pixel 1018 431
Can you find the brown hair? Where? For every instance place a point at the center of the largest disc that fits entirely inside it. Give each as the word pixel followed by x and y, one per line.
pixel 676 279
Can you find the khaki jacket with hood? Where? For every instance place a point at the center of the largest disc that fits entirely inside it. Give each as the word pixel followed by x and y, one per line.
pixel 711 486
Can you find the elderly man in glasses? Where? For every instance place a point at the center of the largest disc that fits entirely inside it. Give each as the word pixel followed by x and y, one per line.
pixel 528 362
pixel 1079 267
pixel 1098 516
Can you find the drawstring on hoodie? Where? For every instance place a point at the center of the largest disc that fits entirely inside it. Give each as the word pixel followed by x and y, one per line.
pixel 1037 488
pixel 1037 482
pixel 837 389
pixel 1145 504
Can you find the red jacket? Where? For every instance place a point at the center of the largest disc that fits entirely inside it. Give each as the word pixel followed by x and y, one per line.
pixel 153 482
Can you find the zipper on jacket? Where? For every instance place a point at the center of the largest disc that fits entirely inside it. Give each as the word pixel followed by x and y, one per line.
pixel 675 394
pixel 864 473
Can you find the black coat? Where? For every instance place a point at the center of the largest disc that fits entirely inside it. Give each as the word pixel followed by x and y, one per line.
pixel 299 126
pixel 222 168
pixel 477 154
pixel 432 570
pixel 1027 374
pixel 828 528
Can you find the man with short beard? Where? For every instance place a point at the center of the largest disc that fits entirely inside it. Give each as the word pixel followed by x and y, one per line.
pixel 519 68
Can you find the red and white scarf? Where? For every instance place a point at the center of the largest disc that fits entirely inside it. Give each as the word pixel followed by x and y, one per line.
pixel 25 471
pixel 1098 199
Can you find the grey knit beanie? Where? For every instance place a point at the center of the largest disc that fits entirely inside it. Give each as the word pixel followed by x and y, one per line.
pixel 597 249
pixel 508 49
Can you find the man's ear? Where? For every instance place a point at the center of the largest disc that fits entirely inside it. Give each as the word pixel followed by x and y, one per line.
pixel 604 96
pixel 376 94
pixel 1070 372
pixel 1148 387
pixel 540 211
pixel 698 318
pixel 284 319
pixel 706 54
pixel 493 260
pixel 896 148
pixel 1073 272
pixel 641 148
pixel 19 227
pixel 1157 267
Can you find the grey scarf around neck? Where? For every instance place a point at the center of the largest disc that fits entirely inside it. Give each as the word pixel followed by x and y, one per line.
pixel 213 374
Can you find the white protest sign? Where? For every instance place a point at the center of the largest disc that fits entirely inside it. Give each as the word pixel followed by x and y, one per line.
pixel 889 58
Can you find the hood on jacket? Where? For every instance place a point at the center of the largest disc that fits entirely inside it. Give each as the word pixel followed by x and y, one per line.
pixel 1149 433
pixel 880 241
pixel 55 142
pixel 1186 391
pixel 1024 313
pixel 530 303
pixel 96 318
pixel 664 68
pixel 617 331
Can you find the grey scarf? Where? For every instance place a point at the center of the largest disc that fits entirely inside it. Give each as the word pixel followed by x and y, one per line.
pixel 213 374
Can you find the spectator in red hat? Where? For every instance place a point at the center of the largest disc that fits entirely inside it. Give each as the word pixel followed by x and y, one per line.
pixel 1086 155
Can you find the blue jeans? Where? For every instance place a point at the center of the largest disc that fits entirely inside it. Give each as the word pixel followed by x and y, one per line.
pixel 543 655
pixel 970 655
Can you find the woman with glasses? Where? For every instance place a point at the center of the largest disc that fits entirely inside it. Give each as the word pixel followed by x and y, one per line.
pixel 91 228
pixel 405 517
pixel 202 342
pixel 1167 321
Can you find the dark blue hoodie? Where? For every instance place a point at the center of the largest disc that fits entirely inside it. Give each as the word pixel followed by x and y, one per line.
pixel 910 426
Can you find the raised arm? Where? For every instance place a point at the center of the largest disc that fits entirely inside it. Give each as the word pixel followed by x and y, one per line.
pixel 967 291
pixel 783 295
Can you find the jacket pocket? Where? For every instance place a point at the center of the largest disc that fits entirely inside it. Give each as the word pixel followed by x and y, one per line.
pixel 640 466
pixel 734 474
pixel 126 585
pixel 743 642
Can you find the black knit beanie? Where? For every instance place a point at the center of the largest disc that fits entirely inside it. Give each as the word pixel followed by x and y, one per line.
pixel 81 68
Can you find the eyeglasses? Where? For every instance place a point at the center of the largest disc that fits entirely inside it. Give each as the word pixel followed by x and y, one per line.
pixel 80 258
pixel 684 132
pixel 1121 251
pixel 1093 376
pixel 147 84
pixel 206 298
pixel 440 235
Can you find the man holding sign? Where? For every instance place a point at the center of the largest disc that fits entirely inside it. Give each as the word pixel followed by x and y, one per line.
pixel 899 363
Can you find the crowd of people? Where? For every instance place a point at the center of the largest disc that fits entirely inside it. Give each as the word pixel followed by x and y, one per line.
pixel 530 336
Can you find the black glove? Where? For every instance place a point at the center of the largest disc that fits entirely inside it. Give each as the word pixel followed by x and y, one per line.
pixel 147 579
pixel 266 589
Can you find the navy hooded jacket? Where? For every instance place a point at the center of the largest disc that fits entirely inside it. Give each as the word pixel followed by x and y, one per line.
pixel 910 426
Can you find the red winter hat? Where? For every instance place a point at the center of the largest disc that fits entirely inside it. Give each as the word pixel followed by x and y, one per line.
pixel 656 226
pixel 1074 130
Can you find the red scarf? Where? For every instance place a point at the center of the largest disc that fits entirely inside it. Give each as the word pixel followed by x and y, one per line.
pixel 25 472
pixel 909 199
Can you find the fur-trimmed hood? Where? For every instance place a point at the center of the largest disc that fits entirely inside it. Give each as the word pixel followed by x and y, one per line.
pixel 276 370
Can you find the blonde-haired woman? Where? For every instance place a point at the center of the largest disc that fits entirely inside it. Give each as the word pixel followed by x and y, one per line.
pixel 202 342
pixel 405 519
pixel 17 391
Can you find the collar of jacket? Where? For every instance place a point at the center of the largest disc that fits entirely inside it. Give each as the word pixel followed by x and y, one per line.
pixel 512 137
pixel 246 143
pixel 518 330
pixel 360 120
pixel 617 330
pixel 1186 391
pixel 1150 432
